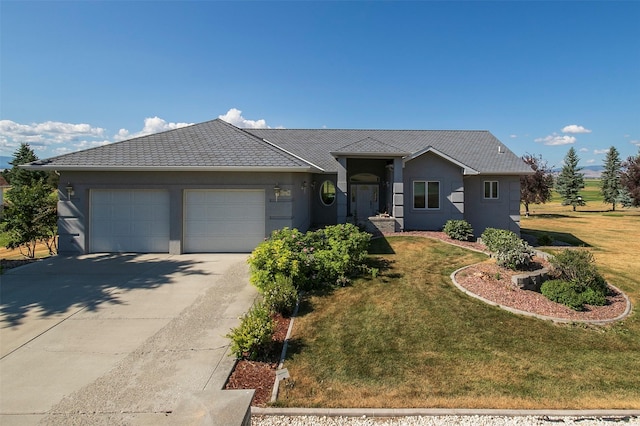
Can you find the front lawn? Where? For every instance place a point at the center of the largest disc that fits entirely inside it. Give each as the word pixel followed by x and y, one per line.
pixel 409 338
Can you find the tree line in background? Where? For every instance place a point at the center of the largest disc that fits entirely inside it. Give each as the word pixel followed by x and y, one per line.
pixel 619 183
pixel 29 215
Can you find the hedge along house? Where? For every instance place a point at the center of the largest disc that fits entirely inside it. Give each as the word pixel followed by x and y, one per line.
pixel 213 187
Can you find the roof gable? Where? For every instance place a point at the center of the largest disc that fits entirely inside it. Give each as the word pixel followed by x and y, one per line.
pixel 369 147
pixel 211 145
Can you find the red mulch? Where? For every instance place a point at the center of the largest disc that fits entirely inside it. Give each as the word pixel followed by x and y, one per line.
pixel 261 374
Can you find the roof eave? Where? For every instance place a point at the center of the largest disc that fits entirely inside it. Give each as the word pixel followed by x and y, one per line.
pixel 369 154
pixel 81 168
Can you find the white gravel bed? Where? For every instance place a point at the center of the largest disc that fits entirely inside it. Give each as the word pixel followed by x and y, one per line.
pixel 441 420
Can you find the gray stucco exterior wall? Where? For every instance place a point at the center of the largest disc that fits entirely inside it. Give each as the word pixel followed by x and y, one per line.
pixel 432 168
pixel 291 209
pixel 484 213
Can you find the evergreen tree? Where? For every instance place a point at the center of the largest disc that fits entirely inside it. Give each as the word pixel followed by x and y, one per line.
pixel 610 183
pixel 535 188
pixel 570 181
pixel 17 176
pixel 630 178
pixel 30 213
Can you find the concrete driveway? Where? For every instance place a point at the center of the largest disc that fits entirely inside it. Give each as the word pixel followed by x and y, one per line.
pixel 116 339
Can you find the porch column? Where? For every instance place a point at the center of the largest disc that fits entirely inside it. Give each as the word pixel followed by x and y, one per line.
pixel 341 190
pixel 398 194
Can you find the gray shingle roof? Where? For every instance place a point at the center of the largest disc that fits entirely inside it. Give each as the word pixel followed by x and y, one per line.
pixel 478 149
pixel 210 145
pixel 218 145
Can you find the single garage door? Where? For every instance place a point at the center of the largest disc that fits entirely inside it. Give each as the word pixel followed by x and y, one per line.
pixel 223 221
pixel 129 221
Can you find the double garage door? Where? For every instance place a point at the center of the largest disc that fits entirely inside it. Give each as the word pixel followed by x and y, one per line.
pixel 139 221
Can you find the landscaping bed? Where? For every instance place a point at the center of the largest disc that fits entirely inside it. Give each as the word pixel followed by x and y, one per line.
pixel 493 283
pixel 260 374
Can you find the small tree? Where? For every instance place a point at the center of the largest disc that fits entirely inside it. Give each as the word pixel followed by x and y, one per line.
pixel 535 188
pixel 29 217
pixel 630 178
pixel 30 212
pixel 610 183
pixel 570 181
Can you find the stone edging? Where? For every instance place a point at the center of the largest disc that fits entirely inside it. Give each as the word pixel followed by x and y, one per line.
pixel 409 412
pixel 626 312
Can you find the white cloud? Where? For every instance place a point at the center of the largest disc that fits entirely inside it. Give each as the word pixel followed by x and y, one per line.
pixel 151 125
pixel 13 134
pixel 636 142
pixel 584 149
pixel 591 161
pixel 600 151
pixel 234 116
pixel 555 140
pixel 513 136
pixel 574 128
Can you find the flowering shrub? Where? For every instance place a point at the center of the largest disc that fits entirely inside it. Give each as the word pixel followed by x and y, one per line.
pixel 280 295
pixel 326 256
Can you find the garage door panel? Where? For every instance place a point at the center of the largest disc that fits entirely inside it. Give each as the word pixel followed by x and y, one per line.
pixel 224 220
pixel 129 221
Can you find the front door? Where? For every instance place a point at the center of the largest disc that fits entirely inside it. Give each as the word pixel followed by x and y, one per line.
pixel 364 200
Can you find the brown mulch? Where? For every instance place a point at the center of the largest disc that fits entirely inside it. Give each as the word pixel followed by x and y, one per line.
pixel 261 374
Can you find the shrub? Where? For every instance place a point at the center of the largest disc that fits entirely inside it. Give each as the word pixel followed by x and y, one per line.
pixel 458 230
pixel 251 337
pixel 578 266
pixel 494 238
pixel 280 295
pixel 508 249
pixel 326 256
pixel 582 283
pixel 562 292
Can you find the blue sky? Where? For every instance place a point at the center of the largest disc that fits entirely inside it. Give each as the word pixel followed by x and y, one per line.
pixel 540 75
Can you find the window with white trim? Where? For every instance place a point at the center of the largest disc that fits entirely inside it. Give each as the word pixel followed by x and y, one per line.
pixel 491 189
pixel 426 194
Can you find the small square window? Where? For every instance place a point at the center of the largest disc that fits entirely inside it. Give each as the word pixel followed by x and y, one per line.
pixel 491 189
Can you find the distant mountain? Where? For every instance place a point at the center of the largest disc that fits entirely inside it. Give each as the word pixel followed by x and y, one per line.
pixel 591 172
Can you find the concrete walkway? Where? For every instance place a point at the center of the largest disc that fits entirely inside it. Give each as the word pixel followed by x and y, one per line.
pixel 116 339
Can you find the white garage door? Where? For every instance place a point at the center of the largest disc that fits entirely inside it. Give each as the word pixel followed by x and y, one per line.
pixel 223 221
pixel 129 221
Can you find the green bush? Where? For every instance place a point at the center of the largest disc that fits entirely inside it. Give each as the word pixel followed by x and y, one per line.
pixel 509 250
pixel 582 283
pixel 578 266
pixel 251 338
pixel 495 239
pixel 562 292
pixel 326 256
pixel 458 230
pixel 280 295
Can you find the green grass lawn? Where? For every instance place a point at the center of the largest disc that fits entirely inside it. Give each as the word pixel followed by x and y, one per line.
pixel 409 338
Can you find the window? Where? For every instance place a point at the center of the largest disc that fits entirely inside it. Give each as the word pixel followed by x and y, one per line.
pixel 327 192
pixel 426 195
pixel 491 189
